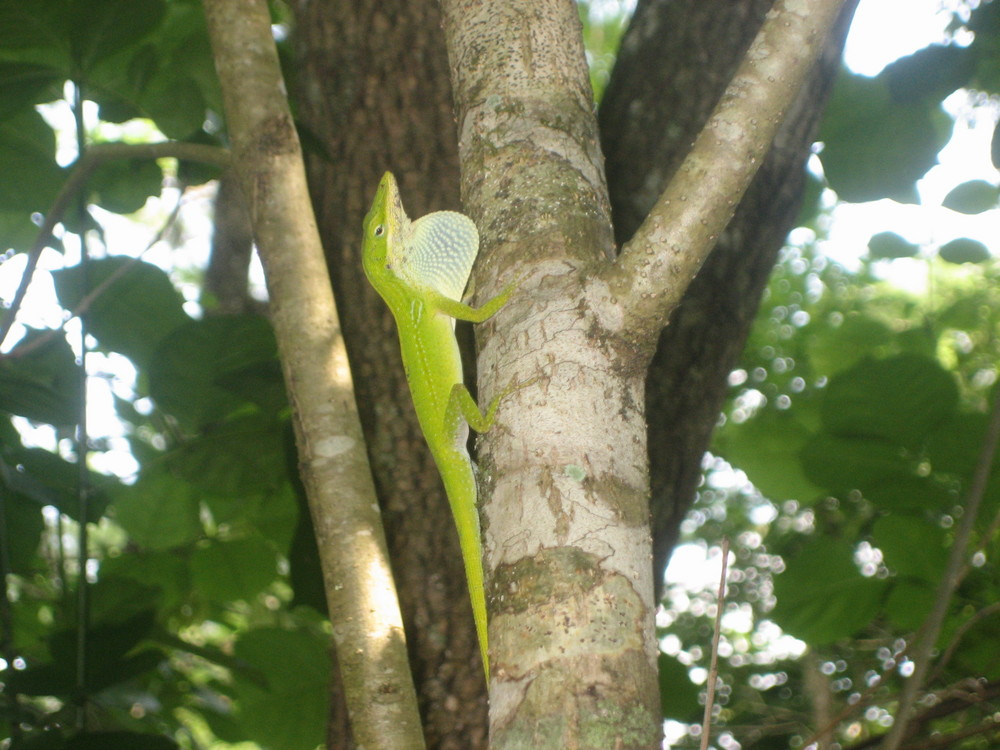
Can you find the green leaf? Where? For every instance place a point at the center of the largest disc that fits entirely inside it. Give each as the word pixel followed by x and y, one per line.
pixel 274 516
pixel 159 511
pixel 164 570
pixel 230 571
pixel 48 739
pixel 261 383
pixel 767 447
pixel 908 493
pixel 678 695
pixel 174 101
pixel 122 186
pixel 291 711
pixel 969 312
pixel 123 616
pixel 191 375
pixel 43 384
pixel 184 45
pixel 912 546
pixel 899 399
pixel 133 312
pixel 24 84
pixel 977 635
pixel 58 678
pixel 23 526
pixel 954 447
pixel 890 245
pixel 908 604
pixel 842 464
pixel 40 24
pixel 195 173
pixel 931 73
pixel 170 78
pixel 100 28
pixel 124 601
pixel 858 336
pixel 18 231
pixel 875 147
pixel 242 458
pixel 972 197
pixel 964 250
pixel 44 478
pixel 31 177
pixel 821 595
pixel 119 741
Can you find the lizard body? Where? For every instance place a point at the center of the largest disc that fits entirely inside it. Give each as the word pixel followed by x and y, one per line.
pixel 421 269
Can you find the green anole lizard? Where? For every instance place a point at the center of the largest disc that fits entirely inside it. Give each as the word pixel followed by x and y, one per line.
pixel 421 269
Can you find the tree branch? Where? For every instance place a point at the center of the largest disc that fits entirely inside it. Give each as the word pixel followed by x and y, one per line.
pixel 658 263
pixel 361 596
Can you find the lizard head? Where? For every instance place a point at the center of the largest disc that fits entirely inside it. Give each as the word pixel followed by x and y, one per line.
pixel 432 255
pixel 383 228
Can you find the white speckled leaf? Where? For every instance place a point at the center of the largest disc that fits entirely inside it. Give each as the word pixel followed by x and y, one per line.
pixel 440 251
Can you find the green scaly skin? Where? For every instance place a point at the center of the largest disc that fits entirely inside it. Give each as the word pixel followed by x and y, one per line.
pixel 420 269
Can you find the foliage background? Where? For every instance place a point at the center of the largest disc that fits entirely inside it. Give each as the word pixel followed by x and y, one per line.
pixel 839 471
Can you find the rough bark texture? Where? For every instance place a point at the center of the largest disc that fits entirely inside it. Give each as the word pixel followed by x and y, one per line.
pixel 372 91
pixel 675 60
pixel 229 262
pixel 565 512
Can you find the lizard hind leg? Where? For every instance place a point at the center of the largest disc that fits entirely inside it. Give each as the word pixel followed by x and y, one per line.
pixel 462 405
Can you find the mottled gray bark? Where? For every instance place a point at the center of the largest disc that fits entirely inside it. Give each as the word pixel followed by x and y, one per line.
pixel 675 60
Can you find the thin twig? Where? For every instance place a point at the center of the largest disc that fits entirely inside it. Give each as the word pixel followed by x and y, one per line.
pixel 82 453
pixel 959 635
pixel 360 592
pixel 713 670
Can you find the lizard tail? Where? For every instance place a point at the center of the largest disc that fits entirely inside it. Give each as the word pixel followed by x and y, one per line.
pixel 460 485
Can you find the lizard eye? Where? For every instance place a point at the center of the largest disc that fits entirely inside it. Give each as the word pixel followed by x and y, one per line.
pixel 379 230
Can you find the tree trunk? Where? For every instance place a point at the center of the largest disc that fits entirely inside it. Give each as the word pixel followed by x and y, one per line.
pixel 565 473
pixel 226 291
pixel 662 90
pixel 373 95
pixel 564 510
